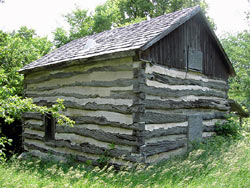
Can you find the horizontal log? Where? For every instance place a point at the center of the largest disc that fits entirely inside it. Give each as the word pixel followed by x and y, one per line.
pixel 110 116
pixel 163 70
pixel 165 132
pixel 105 128
pixel 178 81
pixel 151 127
pixel 124 109
pixel 100 135
pixel 208 128
pixel 214 115
pixel 98 100
pixel 33 136
pixel 81 91
pixel 119 94
pixel 59 151
pixel 165 138
pixel 102 121
pixel 158 118
pixel 75 139
pixel 39 127
pixel 208 134
pixel 171 104
pixel 83 83
pixel 35 152
pixel 86 148
pixel 212 122
pixel 165 155
pixel 154 148
pixel 32 115
pixel 67 73
pixel 86 120
pixel 166 92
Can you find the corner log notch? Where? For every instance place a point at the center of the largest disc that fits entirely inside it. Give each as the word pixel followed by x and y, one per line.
pixel 139 105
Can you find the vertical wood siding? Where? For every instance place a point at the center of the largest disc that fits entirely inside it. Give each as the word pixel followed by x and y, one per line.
pixel 172 50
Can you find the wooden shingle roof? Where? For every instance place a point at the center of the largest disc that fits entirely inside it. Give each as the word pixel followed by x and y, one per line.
pixel 139 36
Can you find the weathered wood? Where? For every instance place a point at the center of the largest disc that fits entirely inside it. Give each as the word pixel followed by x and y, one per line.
pixel 124 109
pixel 81 91
pixel 99 135
pixel 165 155
pixel 178 81
pixel 32 115
pixel 154 148
pixel 195 128
pixel 209 128
pixel 88 148
pixel 170 104
pixel 214 115
pixel 138 103
pixel 63 75
pixel 101 121
pixel 34 126
pixel 165 132
pixel 113 95
pixel 178 73
pixel 154 117
pixel 32 147
pixel 33 136
pixel 116 83
pixel 166 92
pixel 86 61
pixel 195 35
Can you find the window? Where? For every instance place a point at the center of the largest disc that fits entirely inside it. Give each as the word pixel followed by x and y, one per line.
pixel 49 126
pixel 195 58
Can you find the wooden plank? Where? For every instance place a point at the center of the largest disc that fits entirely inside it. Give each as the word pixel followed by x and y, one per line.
pixel 154 148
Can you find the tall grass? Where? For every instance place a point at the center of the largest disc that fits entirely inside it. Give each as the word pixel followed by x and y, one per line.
pixel 222 162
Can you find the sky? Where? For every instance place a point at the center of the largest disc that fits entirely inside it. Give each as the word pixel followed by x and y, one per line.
pixel 46 15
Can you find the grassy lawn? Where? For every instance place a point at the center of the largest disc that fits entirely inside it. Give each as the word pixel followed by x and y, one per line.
pixel 218 163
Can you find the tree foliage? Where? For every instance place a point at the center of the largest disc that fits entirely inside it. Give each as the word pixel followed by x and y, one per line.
pixel 117 13
pixel 238 49
pixel 16 50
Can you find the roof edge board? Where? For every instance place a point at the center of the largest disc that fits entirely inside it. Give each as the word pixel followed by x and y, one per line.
pixel 174 26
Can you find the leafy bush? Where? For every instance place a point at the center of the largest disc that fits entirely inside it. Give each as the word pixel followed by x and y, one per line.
pixel 3 142
pixel 228 128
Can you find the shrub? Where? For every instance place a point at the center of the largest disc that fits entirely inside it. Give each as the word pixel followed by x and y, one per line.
pixel 3 143
pixel 228 128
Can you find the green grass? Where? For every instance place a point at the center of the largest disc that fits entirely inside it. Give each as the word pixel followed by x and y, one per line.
pixel 223 162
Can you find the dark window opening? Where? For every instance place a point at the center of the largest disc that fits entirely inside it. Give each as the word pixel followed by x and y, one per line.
pixel 49 125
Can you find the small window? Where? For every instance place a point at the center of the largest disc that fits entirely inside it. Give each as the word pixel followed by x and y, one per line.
pixel 195 59
pixel 49 126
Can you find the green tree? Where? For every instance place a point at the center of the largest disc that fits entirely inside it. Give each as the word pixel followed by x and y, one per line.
pixel 16 50
pixel 238 49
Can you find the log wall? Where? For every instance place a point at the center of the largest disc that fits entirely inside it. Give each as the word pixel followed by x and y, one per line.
pixel 99 96
pixel 171 96
pixel 130 111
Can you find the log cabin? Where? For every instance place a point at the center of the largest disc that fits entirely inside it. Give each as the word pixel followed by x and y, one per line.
pixel 138 93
